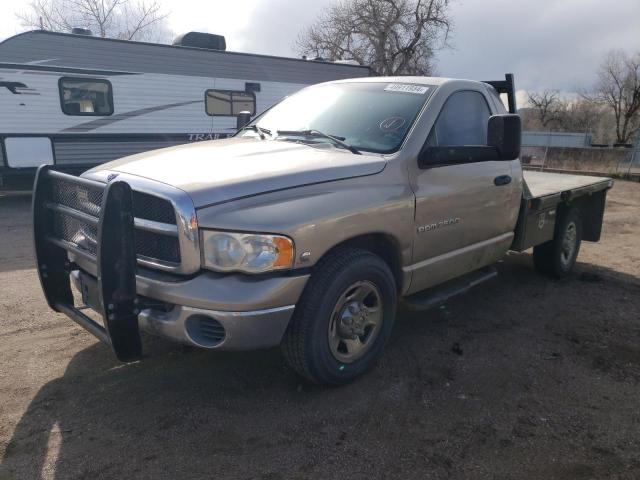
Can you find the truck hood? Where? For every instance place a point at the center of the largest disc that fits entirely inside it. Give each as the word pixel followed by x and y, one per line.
pixel 222 170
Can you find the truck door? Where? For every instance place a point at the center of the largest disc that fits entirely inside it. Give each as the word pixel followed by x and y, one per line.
pixel 465 213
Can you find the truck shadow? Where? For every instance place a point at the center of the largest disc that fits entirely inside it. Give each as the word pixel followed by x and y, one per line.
pixel 15 221
pixel 463 384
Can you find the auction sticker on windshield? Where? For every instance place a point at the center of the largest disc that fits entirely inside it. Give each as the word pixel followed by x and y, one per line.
pixel 406 88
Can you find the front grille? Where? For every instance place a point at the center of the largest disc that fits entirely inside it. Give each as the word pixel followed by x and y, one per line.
pixel 153 208
pixel 162 247
pixel 75 231
pixel 79 197
pixel 83 233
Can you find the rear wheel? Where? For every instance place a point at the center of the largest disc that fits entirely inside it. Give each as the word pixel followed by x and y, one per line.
pixel 558 256
pixel 343 318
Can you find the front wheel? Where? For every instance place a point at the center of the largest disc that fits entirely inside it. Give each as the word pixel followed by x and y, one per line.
pixel 343 318
pixel 558 256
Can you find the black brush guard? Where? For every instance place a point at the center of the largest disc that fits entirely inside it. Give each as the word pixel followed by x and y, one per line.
pixel 115 257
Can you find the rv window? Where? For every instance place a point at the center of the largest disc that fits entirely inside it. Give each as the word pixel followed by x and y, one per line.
pixel 229 103
pixel 85 96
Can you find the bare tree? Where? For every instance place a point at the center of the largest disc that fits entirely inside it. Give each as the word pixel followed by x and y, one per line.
pixel 618 88
pixel 579 115
pixel 393 37
pixel 122 19
pixel 547 105
pixel 569 114
pixel 582 115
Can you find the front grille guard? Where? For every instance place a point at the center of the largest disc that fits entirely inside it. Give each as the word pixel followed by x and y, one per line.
pixel 116 261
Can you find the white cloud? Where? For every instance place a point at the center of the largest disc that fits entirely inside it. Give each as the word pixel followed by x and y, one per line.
pixel 223 17
pixel 554 44
pixel 9 24
pixel 276 24
pixel 547 44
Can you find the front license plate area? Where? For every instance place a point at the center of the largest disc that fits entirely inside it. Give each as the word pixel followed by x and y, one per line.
pixel 90 292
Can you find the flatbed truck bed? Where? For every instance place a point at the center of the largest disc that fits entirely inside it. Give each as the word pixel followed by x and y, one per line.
pixel 545 184
pixel 544 193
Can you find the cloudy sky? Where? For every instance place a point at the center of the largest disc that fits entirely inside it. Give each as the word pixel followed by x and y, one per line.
pixel 546 43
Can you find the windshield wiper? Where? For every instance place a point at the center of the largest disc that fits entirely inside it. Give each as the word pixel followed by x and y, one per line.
pixel 259 130
pixel 317 133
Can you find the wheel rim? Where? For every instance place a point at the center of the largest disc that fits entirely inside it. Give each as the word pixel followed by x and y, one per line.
pixel 355 321
pixel 568 244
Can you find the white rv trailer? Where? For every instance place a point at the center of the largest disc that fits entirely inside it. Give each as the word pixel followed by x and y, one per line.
pixel 76 101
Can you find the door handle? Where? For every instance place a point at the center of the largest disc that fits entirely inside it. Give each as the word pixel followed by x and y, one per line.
pixel 502 180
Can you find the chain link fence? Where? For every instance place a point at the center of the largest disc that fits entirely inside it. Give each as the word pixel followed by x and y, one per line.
pixel 567 153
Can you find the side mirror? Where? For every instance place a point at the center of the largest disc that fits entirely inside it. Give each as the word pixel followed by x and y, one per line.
pixel 504 132
pixel 242 119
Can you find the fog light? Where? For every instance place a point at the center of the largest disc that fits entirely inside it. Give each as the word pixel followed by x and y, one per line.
pixel 205 331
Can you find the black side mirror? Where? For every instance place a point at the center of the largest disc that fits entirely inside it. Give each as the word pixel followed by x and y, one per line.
pixel 242 119
pixel 504 132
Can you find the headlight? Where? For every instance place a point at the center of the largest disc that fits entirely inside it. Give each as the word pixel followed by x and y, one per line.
pixel 246 252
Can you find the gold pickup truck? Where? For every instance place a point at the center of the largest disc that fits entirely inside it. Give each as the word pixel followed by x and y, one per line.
pixel 308 227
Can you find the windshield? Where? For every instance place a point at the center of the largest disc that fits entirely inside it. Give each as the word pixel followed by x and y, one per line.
pixel 366 116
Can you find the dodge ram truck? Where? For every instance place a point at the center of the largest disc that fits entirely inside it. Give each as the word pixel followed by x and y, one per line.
pixel 310 225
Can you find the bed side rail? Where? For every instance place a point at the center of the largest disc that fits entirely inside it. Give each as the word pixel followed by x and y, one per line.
pixel 106 211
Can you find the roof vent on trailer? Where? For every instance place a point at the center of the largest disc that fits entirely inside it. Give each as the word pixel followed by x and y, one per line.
pixel 201 40
pixel 82 31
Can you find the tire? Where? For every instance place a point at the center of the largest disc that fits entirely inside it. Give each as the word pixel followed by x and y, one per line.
pixel 319 343
pixel 557 257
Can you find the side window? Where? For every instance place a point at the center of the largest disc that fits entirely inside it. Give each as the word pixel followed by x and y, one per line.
pixel 501 100
pixel 229 103
pixel 462 121
pixel 85 96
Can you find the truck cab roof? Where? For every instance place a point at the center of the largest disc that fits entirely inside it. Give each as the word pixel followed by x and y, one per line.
pixel 432 81
pixel 495 87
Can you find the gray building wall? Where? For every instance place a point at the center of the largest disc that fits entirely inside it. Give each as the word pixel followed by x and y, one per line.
pixel 556 139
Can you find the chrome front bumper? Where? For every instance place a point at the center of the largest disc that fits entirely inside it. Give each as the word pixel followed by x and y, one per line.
pixel 216 329
pixel 222 312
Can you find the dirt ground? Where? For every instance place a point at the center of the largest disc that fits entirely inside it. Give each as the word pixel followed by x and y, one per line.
pixel 522 378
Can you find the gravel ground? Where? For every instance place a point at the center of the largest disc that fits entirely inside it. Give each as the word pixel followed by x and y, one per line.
pixel 522 378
